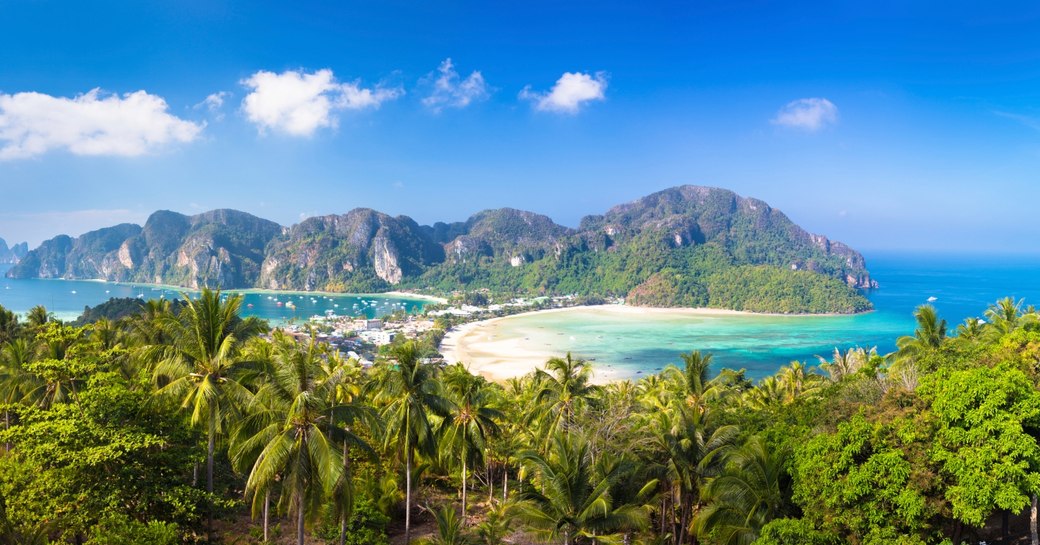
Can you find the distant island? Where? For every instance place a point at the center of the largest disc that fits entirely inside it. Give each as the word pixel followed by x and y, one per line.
pixel 13 254
pixel 687 246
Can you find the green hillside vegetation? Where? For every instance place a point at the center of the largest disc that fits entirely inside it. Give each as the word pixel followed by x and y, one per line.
pixel 140 430
pixel 684 246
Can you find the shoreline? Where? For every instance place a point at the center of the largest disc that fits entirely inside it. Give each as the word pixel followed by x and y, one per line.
pixel 499 360
pixel 394 294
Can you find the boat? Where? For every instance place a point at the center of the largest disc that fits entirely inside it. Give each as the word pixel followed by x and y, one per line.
pixel 933 299
pixel 73 292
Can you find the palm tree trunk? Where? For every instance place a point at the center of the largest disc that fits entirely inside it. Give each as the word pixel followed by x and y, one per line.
pixel 408 497
pixel 1035 539
pixel 505 483
pixel 463 486
pixel 267 513
pixel 346 475
pixel 299 516
pixel 211 447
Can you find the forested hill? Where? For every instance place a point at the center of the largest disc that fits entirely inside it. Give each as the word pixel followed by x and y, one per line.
pixel 684 246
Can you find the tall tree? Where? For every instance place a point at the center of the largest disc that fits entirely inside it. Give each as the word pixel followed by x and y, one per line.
pixel 929 334
pixel 565 387
pixel 472 420
pixel 570 500
pixel 748 493
pixel 409 393
pixel 301 448
pixel 202 365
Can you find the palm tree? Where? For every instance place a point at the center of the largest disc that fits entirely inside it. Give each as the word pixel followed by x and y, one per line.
pixel 17 383
pixel 572 501
pixel 691 447
pixel 9 326
pixel 301 449
pixel 202 365
pixel 37 316
pixel 749 493
pixel 472 420
pixel 564 389
pixel 497 523
pixel 409 392
pixel 929 334
pixel 693 379
pixel 1006 315
pixel 56 364
pixel 348 378
pixel 449 529
pixel 971 330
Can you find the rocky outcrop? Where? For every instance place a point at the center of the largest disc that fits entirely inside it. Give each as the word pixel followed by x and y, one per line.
pixel 222 248
pixel 14 254
pixel 361 250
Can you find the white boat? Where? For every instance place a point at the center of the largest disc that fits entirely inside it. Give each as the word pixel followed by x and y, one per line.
pixel 933 299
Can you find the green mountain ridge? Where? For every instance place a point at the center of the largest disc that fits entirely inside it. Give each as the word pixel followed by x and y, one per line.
pixel 684 246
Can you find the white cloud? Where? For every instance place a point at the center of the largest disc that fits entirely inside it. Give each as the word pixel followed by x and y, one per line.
pixel 449 91
pixel 93 123
pixel 298 103
pixel 214 104
pixel 571 91
pixel 810 114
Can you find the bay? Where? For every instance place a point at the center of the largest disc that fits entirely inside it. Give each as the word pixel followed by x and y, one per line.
pixel 67 298
pixel 628 345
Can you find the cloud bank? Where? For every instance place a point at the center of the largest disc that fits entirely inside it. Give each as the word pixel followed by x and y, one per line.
pixel 809 114
pixel 450 91
pixel 93 123
pixel 297 103
pixel 570 92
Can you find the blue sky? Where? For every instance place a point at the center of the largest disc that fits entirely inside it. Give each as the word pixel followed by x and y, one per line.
pixel 883 125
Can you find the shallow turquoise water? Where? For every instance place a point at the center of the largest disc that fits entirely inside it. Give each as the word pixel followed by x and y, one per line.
pixel 67 298
pixel 633 345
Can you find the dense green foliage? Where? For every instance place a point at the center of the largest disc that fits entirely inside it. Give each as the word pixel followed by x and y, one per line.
pixel 114 309
pixel 106 429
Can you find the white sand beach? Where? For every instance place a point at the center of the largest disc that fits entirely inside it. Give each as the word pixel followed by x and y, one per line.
pixel 483 351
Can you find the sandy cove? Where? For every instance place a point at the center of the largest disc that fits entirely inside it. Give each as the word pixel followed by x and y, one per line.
pixel 474 344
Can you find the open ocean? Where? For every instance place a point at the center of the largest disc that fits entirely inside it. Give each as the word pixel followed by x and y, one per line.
pixel 633 345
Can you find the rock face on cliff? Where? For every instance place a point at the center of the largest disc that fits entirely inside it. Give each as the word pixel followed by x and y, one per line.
pixel 14 254
pixel 88 256
pixel 222 248
pixel 686 246
pixel 362 250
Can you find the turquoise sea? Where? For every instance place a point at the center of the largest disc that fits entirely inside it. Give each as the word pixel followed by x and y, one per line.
pixel 963 286
pixel 632 345
pixel 67 298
